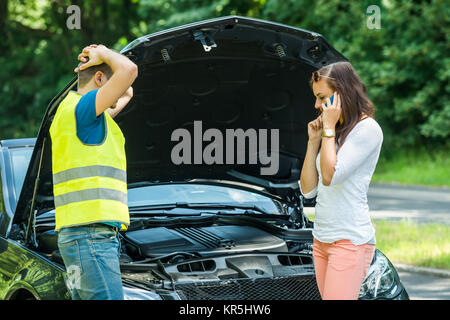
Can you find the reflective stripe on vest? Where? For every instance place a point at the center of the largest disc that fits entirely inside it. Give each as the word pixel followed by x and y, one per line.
pixel 90 194
pixel 90 171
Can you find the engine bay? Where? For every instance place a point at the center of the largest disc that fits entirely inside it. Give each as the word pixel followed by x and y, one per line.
pixel 171 254
pixel 170 240
pixel 204 241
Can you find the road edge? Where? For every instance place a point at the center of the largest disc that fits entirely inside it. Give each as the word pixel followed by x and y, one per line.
pixel 430 271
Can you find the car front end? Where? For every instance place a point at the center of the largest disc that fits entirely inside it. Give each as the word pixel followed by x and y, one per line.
pixel 215 226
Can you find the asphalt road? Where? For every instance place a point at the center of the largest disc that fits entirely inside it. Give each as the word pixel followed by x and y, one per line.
pixel 425 287
pixel 421 204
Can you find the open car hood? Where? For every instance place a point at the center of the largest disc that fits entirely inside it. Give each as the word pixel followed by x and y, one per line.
pixel 229 73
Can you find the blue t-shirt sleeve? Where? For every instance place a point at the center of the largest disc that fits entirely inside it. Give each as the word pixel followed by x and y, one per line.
pixel 90 128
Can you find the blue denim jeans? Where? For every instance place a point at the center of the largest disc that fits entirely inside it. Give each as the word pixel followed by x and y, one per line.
pixel 91 257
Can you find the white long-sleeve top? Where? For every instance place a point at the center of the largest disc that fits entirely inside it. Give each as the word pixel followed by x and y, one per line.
pixel 342 211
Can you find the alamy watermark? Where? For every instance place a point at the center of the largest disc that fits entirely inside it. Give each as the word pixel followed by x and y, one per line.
pixel 213 153
pixel 374 19
pixel 74 20
pixel 73 277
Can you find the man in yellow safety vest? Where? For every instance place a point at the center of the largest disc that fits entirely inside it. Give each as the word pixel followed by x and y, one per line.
pixel 89 173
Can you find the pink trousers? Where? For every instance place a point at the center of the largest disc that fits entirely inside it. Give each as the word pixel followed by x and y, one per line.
pixel 341 268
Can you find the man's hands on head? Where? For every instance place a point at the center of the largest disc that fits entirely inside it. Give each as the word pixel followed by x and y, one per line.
pixel 90 56
pixel 124 74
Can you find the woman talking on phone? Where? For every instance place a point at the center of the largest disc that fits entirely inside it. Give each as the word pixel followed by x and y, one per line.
pixel 343 149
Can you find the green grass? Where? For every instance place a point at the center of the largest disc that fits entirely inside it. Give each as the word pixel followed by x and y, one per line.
pixel 407 242
pixel 417 167
pixel 423 245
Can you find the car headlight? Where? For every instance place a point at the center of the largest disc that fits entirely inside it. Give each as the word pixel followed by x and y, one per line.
pixel 382 281
pixel 139 294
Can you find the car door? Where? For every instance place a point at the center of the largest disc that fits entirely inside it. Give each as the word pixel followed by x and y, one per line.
pixel 24 273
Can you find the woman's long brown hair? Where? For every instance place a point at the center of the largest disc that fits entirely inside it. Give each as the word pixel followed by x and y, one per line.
pixel 342 78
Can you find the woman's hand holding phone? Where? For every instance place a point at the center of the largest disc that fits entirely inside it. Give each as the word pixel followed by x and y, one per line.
pixel 331 111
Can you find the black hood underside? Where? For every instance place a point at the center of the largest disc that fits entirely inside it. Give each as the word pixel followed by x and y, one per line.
pixel 229 73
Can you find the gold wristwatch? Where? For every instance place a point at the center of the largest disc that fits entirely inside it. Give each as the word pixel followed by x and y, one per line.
pixel 328 133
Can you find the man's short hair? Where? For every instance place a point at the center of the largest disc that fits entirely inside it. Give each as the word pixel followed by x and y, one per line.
pixel 84 76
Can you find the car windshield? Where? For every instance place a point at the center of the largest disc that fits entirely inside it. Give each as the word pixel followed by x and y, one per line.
pixel 20 158
pixel 166 193
pixel 200 194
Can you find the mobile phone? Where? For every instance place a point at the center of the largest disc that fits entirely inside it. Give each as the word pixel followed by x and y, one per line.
pixel 331 100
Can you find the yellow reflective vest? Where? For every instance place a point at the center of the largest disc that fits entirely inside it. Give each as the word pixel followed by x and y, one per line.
pixel 89 181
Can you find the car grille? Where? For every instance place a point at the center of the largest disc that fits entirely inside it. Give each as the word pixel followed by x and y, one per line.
pixel 280 288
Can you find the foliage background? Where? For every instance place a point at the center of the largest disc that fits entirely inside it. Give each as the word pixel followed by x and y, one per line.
pixel 405 64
